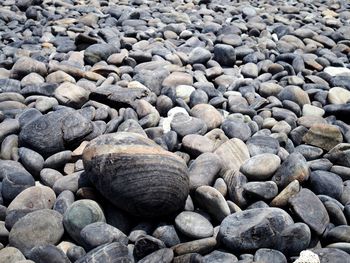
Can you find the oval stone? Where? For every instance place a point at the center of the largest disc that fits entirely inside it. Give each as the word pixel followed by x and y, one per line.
pixel 37 228
pixel 193 225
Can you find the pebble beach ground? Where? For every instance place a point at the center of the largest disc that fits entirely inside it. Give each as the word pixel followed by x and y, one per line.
pixel 159 131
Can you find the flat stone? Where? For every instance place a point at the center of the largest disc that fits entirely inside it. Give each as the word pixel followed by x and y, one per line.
pixel 253 229
pixel 324 136
pixel 196 144
pixel 326 183
pixel 80 214
pixel 219 256
pixel 233 154
pixel 146 245
pixel 212 201
pixel 236 129
pixel 261 166
pixel 208 114
pixel 338 95
pixel 199 55
pixel 48 252
pixel 294 239
pixel 10 255
pixel 296 94
pixel 204 170
pixel 107 253
pixel 99 233
pixel 282 198
pixel 178 78
pixel 25 66
pixel 71 95
pixel 333 255
pixel 36 228
pixel 310 209
pixel 294 167
pixel 265 255
pixel 262 144
pixel 336 71
pixel 260 190
pixel 201 246
pixel 164 255
pixel 193 225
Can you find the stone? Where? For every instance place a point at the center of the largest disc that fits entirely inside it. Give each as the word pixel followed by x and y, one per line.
pixel 262 144
pixel 164 255
pixel 324 136
pixel 71 95
pixel 201 246
pixel 265 255
pixel 49 133
pixel 146 245
pixel 99 233
pixel 312 110
pixel 260 190
pixel 10 255
pixel 64 200
pixel 250 70
pixel 98 52
pixel 196 144
pixel 294 167
pixel 219 256
pixel 282 198
pixel 193 225
pixel 29 200
pixel 48 253
pixel 107 253
pixel 331 255
pixel 336 71
pixel 80 214
pixel 296 94
pixel 339 154
pixel 14 179
pixel 178 78
pixel 224 54
pixel 184 92
pixel 253 229
pixel 199 55
pixel 260 167
pixel 204 170
pixel 236 129
pixel 158 182
pixel 310 209
pixel 212 201
pixel 206 112
pixel 37 228
pixel 233 154
pixel 338 95
pixel 184 125
pixel 27 65
pixel 167 234
pixel 326 183
pixel 294 239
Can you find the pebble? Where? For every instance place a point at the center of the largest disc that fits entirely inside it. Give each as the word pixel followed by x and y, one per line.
pixel 193 225
pixel 261 167
pixel 324 136
pixel 240 231
pixel 36 228
pixel 80 214
pixel 213 201
pixel 310 209
pixel 233 154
